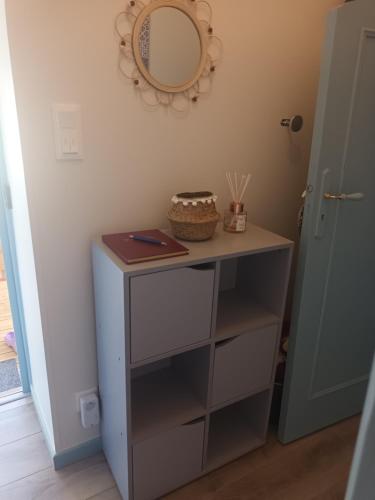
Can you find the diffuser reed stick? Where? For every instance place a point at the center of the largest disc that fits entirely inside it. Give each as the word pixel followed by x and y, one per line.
pixel 237 189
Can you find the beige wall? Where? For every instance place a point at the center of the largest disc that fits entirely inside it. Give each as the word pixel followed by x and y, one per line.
pixel 135 159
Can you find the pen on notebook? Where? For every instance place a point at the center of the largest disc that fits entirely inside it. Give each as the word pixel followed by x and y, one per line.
pixel 147 239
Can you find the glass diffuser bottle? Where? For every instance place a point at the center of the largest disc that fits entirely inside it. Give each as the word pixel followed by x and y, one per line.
pixel 235 218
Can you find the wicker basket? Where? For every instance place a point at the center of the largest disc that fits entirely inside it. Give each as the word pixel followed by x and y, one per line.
pixel 193 216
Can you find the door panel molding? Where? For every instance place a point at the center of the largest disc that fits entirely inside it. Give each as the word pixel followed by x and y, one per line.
pixel 339 387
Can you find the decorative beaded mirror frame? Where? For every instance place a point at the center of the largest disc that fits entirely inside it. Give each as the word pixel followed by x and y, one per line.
pixel 134 52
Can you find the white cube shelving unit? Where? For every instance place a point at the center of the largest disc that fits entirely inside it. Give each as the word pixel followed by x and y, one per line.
pixel 187 350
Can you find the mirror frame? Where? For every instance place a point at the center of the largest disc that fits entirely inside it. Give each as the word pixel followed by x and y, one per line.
pixel 146 12
pixel 131 64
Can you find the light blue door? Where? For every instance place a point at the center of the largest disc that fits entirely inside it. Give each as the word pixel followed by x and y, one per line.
pixel 333 328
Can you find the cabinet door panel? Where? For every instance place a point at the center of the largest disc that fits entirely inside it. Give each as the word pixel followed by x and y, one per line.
pixel 243 364
pixel 167 461
pixel 170 309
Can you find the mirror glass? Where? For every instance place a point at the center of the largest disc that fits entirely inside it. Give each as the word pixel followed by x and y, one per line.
pixel 170 46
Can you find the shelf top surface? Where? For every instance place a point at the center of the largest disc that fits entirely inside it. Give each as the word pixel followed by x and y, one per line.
pixel 223 245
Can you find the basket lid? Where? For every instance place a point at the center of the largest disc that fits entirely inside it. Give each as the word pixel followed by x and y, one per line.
pixel 194 198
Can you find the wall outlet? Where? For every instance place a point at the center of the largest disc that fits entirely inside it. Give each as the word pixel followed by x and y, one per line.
pixel 79 395
pixel 89 406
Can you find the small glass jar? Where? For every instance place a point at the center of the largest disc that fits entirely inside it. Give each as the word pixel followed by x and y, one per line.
pixel 235 218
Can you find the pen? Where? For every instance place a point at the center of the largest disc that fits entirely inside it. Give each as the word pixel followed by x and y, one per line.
pixel 147 239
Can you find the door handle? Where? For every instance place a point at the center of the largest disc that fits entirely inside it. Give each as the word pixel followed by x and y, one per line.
pixel 344 196
pixel 225 342
pixel 194 422
pixel 202 267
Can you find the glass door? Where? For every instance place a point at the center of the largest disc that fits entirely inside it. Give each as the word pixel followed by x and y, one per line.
pixel 14 372
pixel 10 380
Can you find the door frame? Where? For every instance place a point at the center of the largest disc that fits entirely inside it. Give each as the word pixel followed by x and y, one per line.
pixel 361 479
pixel 12 274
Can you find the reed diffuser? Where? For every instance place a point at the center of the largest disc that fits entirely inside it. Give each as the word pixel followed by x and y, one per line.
pixel 235 218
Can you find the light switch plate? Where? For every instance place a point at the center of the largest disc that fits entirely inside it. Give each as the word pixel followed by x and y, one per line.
pixel 67 121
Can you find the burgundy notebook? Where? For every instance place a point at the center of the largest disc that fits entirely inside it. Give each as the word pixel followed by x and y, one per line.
pixel 132 251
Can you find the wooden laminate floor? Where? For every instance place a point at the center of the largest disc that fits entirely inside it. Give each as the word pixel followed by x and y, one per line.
pixel 314 468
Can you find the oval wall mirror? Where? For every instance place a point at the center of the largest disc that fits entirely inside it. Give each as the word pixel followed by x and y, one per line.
pixel 170 46
pixel 173 57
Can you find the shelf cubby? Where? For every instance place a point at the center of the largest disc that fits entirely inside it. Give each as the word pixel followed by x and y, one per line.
pixel 239 313
pixel 237 429
pixel 251 292
pixel 169 392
